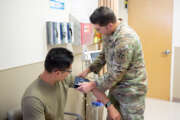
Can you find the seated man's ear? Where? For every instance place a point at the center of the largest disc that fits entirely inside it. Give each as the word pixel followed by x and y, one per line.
pixel 57 72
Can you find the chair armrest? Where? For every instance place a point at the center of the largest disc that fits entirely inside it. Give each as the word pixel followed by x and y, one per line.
pixel 14 114
pixel 74 114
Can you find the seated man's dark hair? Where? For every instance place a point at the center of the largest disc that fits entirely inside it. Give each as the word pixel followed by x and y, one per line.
pixel 103 16
pixel 58 59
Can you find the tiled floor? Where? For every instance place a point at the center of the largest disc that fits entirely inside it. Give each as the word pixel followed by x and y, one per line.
pixel 161 110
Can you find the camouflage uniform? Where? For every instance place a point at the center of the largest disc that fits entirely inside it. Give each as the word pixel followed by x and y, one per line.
pixel 126 74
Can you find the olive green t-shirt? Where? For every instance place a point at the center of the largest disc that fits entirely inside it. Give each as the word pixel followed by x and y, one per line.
pixel 42 101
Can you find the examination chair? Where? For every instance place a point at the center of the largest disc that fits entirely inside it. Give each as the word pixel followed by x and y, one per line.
pixel 16 114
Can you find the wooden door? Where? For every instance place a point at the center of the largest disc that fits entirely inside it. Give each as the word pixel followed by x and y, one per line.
pixel 152 20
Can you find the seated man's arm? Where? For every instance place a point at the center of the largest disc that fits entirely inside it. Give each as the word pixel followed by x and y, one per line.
pixel 113 113
pixel 32 109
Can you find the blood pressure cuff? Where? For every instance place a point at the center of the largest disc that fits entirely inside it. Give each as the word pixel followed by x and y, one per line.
pixel 79 80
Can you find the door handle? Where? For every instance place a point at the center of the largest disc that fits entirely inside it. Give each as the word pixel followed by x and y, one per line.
pixel 167 52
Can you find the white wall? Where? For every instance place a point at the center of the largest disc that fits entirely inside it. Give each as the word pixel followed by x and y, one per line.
pixel 82 9
pixel 176 84
pixel 122 11
pixel 22 31
pixel 176 24
pixel 175 90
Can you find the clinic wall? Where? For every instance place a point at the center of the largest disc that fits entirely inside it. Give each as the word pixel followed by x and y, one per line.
pixel 13 83
pixel 176 52
pixel 176 24
pixel 23 30
pixel 122 11
pixel 82 9
pixel 176 84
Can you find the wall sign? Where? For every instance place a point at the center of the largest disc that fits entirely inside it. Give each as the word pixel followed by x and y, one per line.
pixel 57 4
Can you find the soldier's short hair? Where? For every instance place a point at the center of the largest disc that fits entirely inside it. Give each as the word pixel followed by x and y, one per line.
pixel 103 16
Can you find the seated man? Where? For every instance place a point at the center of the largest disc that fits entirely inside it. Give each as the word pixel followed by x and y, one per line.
pixel 45 98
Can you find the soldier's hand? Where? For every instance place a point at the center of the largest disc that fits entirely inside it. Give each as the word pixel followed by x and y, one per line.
pixel 86 86
pixel 84 73
pixel 113 113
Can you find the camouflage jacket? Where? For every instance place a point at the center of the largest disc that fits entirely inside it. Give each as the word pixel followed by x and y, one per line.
pixel 122 52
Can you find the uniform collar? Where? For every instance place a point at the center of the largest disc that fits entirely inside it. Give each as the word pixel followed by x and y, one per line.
pixel 112 38
pixel 118 29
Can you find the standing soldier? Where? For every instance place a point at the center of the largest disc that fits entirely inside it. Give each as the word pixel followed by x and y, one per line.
pixel 126 74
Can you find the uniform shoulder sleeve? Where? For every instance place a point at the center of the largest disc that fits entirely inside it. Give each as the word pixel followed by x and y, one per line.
pixel 122 57
pixel 32 109
pixel 98 63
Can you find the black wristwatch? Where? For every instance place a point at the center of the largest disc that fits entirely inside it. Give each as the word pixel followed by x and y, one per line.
pixel 107 104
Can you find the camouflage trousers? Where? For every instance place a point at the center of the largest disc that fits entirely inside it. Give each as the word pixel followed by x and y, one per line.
pixel 130 107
